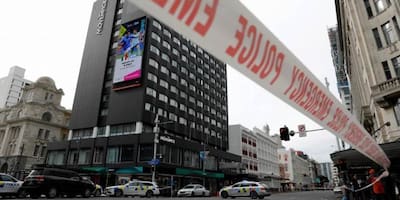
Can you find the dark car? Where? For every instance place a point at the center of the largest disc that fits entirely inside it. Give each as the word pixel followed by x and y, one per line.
pixel 54 182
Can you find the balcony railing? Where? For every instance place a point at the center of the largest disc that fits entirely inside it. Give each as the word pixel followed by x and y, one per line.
pixel 384 92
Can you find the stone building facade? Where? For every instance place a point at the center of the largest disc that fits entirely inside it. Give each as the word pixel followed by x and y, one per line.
pixel 27 127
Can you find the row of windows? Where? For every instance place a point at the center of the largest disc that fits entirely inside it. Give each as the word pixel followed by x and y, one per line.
pixel 396 68
pixel 177 41
pixel 379 5
pixel 126 153
pixel 390 31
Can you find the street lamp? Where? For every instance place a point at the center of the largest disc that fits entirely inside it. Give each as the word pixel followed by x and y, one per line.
pixel 156 131
pixel 385 124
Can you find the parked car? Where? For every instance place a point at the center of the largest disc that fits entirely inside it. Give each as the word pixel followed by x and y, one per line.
pixel 54 182
pixel 193 190
pixel 134 188
pixel 245 189
pixel 9 186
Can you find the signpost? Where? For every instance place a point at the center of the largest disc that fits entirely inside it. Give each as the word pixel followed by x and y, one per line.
pixel 302 130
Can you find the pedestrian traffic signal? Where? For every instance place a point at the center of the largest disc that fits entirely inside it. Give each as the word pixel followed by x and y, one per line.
pixel 284 132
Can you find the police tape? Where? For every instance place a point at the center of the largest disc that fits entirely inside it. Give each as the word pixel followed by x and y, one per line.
pixel 383 175
pixel 230 32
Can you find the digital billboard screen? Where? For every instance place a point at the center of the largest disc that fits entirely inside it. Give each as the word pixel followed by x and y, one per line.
pixel 129 55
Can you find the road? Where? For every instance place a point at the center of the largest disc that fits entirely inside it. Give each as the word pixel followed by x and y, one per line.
pixel 310 195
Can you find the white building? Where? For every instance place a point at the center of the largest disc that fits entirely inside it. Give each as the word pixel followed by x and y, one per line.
pixel 259 153
pixel 326 170
pixel 11 87
pixel 27 127
pixel 295 169
pixel 243 142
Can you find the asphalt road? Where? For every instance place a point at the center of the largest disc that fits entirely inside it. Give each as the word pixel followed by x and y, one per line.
pixel 309 195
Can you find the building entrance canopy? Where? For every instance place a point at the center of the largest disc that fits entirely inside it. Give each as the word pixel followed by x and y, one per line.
pixel 233 34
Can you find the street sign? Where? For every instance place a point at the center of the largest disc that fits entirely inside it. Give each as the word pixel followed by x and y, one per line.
pixel 154 162
pixel 203 155
pixel 302 130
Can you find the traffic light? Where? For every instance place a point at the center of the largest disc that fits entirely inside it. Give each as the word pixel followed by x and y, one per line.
pixel 284 131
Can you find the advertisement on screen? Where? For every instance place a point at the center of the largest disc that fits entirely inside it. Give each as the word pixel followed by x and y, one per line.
pixel 128 59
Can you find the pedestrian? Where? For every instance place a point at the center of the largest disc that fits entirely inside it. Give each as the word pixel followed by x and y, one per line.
pixel 378 190
pixel 355 186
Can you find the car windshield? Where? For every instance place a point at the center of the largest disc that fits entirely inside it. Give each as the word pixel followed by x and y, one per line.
pixel 189 187
pixel 36 172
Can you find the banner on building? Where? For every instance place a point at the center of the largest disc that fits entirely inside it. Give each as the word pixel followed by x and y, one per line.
pixel 230 32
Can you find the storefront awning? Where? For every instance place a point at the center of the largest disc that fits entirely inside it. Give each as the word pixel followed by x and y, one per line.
pixel 95 169
pixel 183 171
pixel 129 170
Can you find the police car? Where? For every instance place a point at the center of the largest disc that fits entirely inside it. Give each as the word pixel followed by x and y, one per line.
pixel 245 189
pixel 9 185
pixel 134 188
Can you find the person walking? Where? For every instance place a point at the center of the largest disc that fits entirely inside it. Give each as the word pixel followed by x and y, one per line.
pixel 377 188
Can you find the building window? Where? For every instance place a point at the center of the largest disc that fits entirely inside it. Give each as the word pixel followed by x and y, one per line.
pixel 176 41
pixel 167 33
pixel 46 116
pixel 56 158
pixel 166 45
pixel 36 150
pixel 146 152
pixel 174 76
pixel 164 84
pixel 396 26
pixel 153 63
pixel 157 25
pixel 397 111
pixel 112 155
pixel 175 52
pixel 173 89
pixel 377 38
pixel 154 50
pixel 164 70
pixel 98 155
pixel 183 95
pixel 173 103
pixel 151 92
pixel 127 153
pixel 386 70
pixel 163 98
pixel 173 117
pixel 152 77
pixel 156 37
pixel 184 70
pixel 379 5
pixel 184 82
pixel 183 107
pixel 396 65
pixel 165 57
pixel 389 33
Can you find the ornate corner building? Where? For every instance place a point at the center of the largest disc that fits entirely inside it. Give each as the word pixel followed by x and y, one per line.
pixel 27 127
pixel 369 51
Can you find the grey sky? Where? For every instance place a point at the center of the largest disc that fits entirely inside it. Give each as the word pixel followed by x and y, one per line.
pixel 46 37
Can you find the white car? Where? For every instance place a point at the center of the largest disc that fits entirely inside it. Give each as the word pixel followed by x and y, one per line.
pixel 193 190
pixel 245 189
pixel 9 186
pixel 134 188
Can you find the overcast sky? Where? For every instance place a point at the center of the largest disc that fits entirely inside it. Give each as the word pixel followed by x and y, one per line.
pixel 46 37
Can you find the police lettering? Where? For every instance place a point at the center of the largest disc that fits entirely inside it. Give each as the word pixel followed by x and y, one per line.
pixel 271 60
pixel 189 9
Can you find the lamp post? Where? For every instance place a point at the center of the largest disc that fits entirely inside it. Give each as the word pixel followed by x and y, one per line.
pixel 156 131
pixel 375 131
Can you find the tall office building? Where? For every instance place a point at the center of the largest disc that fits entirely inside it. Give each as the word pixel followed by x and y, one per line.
pixel 11 87
pixel 135 68
pixel 368 41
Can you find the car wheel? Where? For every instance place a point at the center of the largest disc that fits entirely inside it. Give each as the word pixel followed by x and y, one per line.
pixel 192 194
pixel 97 193
pixel 149 193
pixel 203 194
pixel 87 193
pixel 34 196
pixel 52 193
pixel 21 194
pixel 118 193
pixel 224 194
pixel 253 195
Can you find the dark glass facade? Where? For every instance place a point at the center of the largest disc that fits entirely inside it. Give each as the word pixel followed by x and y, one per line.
pixel 113 129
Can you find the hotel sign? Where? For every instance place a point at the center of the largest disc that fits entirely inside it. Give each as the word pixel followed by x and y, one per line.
pixel 100 17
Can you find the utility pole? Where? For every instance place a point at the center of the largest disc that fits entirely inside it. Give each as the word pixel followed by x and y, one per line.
pixel 337 138
pixel 156 133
